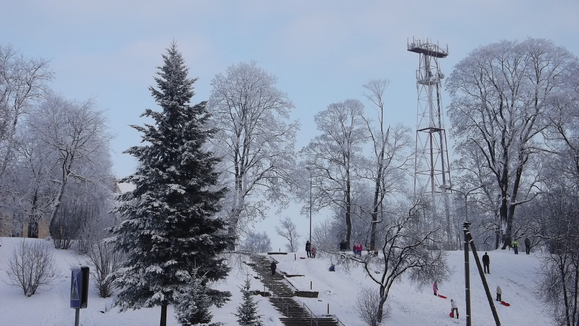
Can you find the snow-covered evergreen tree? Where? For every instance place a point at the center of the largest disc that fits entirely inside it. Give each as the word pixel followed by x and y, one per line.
pixel 194 309
pixel 247 311
pixel 170 231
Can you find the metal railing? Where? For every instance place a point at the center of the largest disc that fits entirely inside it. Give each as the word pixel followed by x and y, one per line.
pixel 313 318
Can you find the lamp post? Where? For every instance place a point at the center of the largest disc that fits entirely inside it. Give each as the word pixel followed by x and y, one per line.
pixel 310 171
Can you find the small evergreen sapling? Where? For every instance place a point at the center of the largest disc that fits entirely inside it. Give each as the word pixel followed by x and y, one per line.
pixel 247 311
pixel 194 309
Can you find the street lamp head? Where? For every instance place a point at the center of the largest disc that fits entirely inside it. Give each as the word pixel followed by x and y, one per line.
pixel 445 186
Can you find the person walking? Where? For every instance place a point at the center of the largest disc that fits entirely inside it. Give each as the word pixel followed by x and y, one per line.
pixel 527 246
pixel 343 246
pixel 516 247
pixel 314 250
pixel 454 308
pixel 499 293
pixel 308 249
pixel 486 263
pixel 273 267
pixel 435 288
pixel 359 249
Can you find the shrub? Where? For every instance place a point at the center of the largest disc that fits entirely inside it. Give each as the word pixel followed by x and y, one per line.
pixel 368 307
pixel 106 261
pixel 31 266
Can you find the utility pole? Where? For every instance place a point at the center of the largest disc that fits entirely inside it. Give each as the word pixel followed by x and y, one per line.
pixel 465 228
pixel 469 241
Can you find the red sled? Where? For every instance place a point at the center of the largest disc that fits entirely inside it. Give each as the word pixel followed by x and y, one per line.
pixel 451 314
pixel 505 303
pixel 442 296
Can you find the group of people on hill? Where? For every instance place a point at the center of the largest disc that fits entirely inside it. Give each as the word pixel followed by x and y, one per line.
pixel 357 248
pixel 515 246
pixel 453 304
pixel 486 269
pixel 310 251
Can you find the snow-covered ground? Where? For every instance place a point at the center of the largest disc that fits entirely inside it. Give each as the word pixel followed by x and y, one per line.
pixel 516 274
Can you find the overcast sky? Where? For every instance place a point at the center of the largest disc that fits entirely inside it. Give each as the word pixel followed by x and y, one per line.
pixel 321 51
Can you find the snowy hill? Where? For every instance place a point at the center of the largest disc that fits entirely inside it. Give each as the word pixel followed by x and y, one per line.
pixel 516 274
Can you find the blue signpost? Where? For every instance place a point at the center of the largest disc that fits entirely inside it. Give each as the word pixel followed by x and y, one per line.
pixel 79 290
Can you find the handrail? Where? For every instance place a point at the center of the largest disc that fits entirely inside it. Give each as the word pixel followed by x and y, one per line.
pixel 313 318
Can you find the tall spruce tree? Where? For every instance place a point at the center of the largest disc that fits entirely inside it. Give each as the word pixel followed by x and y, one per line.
pixel 170 230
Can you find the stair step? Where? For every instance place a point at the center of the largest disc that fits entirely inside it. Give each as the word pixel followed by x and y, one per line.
pixel 282 297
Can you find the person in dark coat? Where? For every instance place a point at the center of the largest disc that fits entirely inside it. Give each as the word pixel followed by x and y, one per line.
pixel 308 249
pixel 527 246
pixel 343 245
pixel 486 263
pixel 273 267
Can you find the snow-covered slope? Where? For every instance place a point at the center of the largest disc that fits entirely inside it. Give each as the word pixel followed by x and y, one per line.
pixel 516 274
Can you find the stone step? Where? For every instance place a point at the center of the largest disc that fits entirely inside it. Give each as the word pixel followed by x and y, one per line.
pixel 282 293
pixel 307 321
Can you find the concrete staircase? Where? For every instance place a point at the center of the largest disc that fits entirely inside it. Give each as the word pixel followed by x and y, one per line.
pixel 295 314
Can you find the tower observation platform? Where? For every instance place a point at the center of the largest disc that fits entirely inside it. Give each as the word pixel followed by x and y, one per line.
pixel 426 48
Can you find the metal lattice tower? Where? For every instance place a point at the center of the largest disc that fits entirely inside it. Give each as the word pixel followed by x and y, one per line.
pixel 432 168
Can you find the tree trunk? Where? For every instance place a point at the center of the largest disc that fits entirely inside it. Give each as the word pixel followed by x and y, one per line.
pixel 163 315
pixel 374 214
pixel 33 229
pixel 348 214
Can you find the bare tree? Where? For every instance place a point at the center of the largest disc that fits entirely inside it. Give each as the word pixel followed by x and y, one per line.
pixel 405 252
pixel 556 211
pixel 22 82
pixel 326 237
pixel 560 281
pixel 253 138
pixel 501 95
pixel 35 187
pixel 256 242
pixel 76 133
pixel 93 241
pixel 31 266
pixel 334 155
pixel 390 155
pixel 288 231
